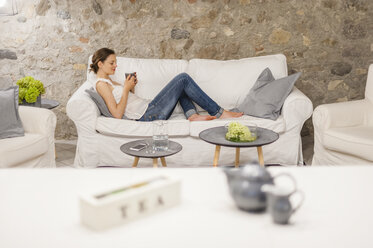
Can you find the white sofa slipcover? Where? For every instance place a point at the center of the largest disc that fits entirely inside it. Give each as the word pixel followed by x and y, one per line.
pixel 36 148
pixel 344 131
pixel 227 82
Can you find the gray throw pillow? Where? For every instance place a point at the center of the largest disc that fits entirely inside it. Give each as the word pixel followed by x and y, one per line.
pixel 10 122
pixel 266 97
pixel 100 103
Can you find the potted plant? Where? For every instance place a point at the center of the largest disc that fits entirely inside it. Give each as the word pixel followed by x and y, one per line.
pixel 30 91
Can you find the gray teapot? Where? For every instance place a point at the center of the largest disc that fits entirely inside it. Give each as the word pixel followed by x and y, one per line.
pixel 245 186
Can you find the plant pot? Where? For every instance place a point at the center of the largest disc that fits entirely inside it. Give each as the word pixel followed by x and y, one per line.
pixel 33 104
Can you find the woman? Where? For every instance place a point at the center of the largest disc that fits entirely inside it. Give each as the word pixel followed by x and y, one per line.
pixel 121 100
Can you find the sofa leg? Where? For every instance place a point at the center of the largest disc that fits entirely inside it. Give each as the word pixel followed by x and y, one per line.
pixel 237 161
pixel 216 157
pixel 135 162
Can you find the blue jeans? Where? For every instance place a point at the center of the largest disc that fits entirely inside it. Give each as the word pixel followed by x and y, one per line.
pixel 183 89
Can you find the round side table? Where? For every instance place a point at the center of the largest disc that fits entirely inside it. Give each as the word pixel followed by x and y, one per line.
pixel 48 103
pixel 216 136
pixel 173 148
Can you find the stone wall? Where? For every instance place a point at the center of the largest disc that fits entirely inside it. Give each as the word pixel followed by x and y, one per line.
pixel 330 41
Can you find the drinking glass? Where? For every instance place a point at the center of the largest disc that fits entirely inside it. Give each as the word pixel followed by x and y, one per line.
pixel 253 130
pixel 160 135
pixel 149 146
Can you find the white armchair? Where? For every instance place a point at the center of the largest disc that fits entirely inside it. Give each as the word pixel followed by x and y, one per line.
pixel 344 131
pixel 36 148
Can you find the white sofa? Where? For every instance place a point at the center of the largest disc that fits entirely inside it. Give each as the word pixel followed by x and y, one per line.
pixel 344 131
pixel 227 82
pixel 36 148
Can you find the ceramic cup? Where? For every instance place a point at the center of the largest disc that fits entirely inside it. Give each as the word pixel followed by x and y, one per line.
pixel 280 205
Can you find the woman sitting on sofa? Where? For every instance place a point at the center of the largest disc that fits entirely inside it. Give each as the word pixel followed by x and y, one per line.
pixel 121 100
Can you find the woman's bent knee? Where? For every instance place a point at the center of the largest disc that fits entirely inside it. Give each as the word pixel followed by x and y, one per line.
pixel 184 75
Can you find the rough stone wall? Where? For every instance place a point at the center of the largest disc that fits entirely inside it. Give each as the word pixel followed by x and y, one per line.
pixel 330 41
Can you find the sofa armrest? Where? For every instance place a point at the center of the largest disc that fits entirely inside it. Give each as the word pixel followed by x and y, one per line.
pixel 369 85
pixel 342 114
pixel 297 109
pixel 38 120
pixel 83 112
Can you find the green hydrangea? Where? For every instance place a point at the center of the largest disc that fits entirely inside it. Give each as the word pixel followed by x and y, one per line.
pixel 21 94
pixel 239 133
pixel 38 85
pixel 29 89
pixel 32 94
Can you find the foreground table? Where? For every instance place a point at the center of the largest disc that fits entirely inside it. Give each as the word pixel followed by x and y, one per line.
pixel 40 208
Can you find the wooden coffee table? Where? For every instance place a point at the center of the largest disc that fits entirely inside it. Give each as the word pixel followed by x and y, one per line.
pixel 173 148
pixel 216 136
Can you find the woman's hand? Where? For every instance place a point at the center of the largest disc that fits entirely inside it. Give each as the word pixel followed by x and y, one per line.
pixel 130 82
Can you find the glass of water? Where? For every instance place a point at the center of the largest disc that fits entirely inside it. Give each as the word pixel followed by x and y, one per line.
pixel 149 146
pixel 253 130
pixel 160 135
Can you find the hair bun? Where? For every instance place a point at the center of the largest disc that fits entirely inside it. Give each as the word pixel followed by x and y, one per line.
pixel 93 67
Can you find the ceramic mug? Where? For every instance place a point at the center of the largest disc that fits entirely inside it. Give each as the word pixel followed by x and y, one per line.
pixel 279 204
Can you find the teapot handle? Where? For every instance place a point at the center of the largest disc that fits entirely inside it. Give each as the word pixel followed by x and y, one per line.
pixel 301 201
pixel 292 179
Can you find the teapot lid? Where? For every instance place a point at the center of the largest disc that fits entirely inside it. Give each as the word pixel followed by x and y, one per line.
pixel 256 173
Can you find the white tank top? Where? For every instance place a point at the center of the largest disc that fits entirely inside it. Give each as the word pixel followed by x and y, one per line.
pixel 136 106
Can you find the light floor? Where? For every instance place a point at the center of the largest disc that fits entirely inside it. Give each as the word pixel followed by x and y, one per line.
pixel 65 151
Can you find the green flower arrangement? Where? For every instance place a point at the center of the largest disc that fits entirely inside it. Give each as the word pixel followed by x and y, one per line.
pixel 29 89
pixel 239 133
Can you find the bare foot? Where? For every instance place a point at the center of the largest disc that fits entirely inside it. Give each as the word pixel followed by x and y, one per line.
pixel 197 117
pixel 228 114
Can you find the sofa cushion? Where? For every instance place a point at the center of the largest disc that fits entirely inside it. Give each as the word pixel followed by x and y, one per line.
pixel 198 126
pixel 10 122
pixel 227 82
pixel 266 97
pixel 100 103
pixel 177 126
pixel 17 150
pixel 357 141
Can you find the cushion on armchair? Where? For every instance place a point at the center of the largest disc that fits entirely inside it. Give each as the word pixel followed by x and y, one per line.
pixel 355 141
pixel 10 122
